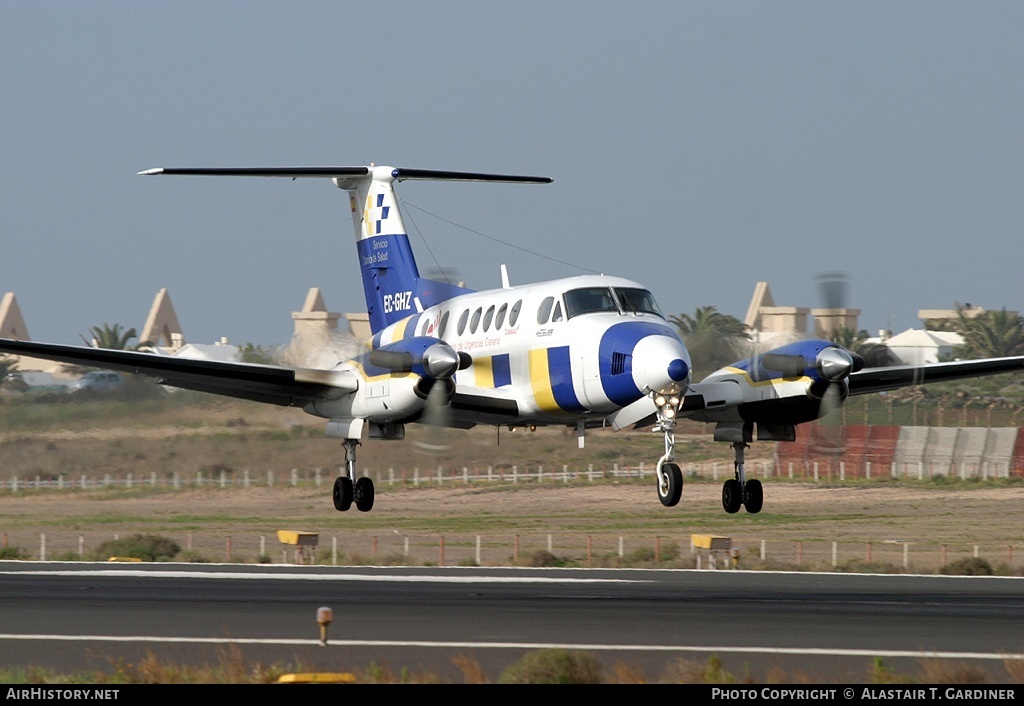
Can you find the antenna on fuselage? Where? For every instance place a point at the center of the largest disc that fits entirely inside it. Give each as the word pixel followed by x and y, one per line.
pixel 504 277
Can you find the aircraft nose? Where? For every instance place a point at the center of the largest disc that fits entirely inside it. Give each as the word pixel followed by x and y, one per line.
pixel 664 363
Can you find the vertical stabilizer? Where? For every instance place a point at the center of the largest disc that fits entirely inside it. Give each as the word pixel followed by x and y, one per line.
pixel 391 283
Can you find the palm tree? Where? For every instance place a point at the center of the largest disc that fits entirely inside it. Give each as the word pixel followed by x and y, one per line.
pixel 713 338
pixel 8 365
pixel 994 334
pixel 111 336
pixel 875 355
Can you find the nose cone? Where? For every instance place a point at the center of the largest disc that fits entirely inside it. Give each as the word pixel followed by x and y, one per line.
pixel 660 363
pixel 440 361
pixel 834 364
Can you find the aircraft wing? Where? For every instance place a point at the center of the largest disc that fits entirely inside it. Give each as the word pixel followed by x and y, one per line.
pixel 261 383
pixel 896 376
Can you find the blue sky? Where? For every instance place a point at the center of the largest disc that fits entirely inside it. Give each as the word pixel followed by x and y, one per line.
pixel 697 147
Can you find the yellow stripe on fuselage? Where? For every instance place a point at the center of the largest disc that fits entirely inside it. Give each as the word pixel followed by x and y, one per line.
pixel 399 333
pixel 540 380
pixel 483 372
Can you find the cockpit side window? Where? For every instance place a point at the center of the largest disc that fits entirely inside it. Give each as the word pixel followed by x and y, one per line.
pixel 589 300
pixel 637 301
pixel 557 315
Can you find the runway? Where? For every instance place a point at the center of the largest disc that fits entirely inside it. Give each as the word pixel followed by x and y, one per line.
pixel 820 627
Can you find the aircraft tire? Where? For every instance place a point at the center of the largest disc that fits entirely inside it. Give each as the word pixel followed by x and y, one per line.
pixel 753 496
pixel 364 494
pixel 670 487
pixel 342 493
pixel 732 496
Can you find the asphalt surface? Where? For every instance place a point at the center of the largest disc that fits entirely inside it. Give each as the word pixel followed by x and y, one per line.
pixel 795 626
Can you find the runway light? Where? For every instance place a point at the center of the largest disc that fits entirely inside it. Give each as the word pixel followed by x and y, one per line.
pixel 324 617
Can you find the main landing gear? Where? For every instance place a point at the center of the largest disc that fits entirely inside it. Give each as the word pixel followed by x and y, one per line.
pixel 739 491
pixel 345 490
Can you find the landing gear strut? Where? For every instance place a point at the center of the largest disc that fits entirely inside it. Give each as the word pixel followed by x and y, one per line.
pixel 670 478
pixel 345 490
pixel 740 491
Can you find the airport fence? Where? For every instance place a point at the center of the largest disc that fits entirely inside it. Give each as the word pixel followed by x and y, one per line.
pixel 830 470
pixel 356 548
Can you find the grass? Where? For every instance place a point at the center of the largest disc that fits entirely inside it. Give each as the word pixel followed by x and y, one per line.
pixel 547 666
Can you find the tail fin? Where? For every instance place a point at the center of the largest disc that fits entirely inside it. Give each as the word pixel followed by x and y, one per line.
pixel 391 281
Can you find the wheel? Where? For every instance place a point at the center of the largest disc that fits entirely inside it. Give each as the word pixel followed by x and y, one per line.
pixel 753 496
pixel 364 494
pixel 732 495
pixel 342 493
pixel 670 484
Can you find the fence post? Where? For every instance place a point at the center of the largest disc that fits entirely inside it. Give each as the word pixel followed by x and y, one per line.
pixel 478 550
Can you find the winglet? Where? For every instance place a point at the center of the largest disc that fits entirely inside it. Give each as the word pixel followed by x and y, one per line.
pixel 148 172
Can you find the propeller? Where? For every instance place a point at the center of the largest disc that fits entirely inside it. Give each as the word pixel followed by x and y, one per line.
pixel 435 362
pixel 833 364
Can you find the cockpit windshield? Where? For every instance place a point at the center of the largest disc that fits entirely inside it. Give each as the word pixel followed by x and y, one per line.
pixel 589 300
pixel 637 301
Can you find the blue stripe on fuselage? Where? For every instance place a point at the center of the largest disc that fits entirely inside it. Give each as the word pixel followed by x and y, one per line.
pixel 560 373
pixel 622 338
pixel 501 370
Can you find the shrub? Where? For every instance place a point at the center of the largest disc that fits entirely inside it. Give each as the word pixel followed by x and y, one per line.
pixel 147 547
pixel 13 553
pixel 553 666
pixel 968 566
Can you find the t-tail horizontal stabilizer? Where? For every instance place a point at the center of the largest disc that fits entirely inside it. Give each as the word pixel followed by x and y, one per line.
pixel 392 284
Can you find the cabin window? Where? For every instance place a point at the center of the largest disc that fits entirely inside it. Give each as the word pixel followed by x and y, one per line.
pixel 499 319
pixel 443 325
pixel 589 300
pixel 475 320
pixel 513 314
pixel 462 322
pixel 488 315
pixel 557 315
pixel 544 312
pixel 637 301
